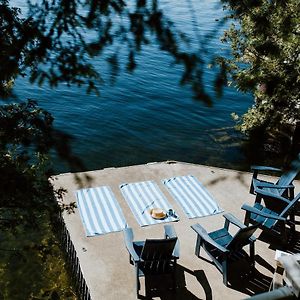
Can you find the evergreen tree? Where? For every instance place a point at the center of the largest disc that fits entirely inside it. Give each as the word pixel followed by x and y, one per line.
pixel 265 41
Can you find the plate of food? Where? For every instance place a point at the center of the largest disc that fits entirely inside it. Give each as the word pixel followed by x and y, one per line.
pixel 157 213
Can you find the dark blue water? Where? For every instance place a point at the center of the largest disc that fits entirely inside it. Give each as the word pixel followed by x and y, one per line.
pixel 148 116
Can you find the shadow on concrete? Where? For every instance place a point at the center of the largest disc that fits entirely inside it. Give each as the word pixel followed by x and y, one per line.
pixel 294 244
pixel 242 180
pixel 243 278
pixel 239 177
pixel 201 277
pixel 275 242
pixel 259 260
pixel 252 284
pixel 161 287
pixel 250 281
pixel 217 180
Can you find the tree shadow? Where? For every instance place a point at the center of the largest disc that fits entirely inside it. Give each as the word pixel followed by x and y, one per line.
pixel 162 287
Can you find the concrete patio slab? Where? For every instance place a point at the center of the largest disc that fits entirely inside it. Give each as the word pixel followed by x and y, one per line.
pixel 104 259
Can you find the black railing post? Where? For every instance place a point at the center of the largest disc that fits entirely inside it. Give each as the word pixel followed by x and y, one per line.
pixel 73 265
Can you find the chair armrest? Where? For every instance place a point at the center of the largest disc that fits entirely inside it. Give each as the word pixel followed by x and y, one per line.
pixel 256 169
pixel 251 209
pixel 128 237
pixel 265 168
pixel 204 235
pixel 170 233
pixel 273 186
pixel 263 194
pixel 232 219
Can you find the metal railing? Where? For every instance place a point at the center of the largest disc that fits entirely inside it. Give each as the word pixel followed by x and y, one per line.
pixel 73 266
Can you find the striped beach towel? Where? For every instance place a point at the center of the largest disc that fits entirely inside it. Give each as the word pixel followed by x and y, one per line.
pixel 99 210
pixel 141 197
pixel 192 196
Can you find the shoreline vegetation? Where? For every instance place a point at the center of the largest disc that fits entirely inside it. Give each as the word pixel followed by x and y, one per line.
pixel 32 264
pixel 48 47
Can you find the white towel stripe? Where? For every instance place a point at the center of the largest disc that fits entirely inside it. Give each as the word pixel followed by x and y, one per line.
pixel 99 210
pixel 85 215
pixel 185 197
pixel 115 207
pixel 178 194
pixel 109 213
pixel 197 187
pixel 134 203
pixel 91 209
pixel 193 197
pixel 141 197
pixel 140 201
pixel 194 193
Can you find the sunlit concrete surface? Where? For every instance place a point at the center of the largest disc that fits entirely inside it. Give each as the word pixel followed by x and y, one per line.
pixel 104 259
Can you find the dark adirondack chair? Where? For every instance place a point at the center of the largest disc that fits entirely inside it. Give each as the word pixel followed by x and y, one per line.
pixel 153 257
pixel 283 186
pixel 283 293
pixel 273 213
pixel 223 248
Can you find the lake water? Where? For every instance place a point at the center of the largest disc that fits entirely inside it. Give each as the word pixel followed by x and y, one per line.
pixel 148 116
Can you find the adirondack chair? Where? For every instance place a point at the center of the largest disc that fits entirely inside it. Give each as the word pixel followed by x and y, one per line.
pixel 153 257
pixel 283 293
pixel 283 186
pixel 223 248
pixel 275 216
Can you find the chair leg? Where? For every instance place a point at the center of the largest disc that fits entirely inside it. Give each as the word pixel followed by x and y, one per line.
pixel 252 255
pixel 225 272
pixel 292 225
pixel 198 246
pixel 138 284
pixel 252 251
pixel 254 176
pixel 247 218
pixel 251 191
pixel 174 276
pixel 283 234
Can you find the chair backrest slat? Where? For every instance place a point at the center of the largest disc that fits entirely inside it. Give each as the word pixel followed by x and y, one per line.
pixel 157 254
pixel 158 249
pixel 242 237
pixel 288 176
pixel 290 206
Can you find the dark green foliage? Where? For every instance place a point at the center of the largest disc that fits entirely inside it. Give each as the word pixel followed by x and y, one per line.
pixel 56 40
pixel 49 45
pixel 265 44
pixel 52 43
pixel 31 265
pixel 27 136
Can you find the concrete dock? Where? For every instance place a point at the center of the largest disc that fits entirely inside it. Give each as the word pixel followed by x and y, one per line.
pixel 104 259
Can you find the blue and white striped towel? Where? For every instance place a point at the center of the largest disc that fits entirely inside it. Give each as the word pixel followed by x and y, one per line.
pixel 192 196
pixel 141 197
pixel 99 210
